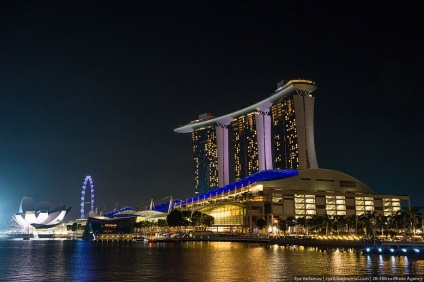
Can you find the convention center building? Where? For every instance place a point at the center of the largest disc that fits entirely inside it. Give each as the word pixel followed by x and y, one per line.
pixel 276 195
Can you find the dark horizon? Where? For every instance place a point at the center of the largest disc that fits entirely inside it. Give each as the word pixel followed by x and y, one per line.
pixel 97 89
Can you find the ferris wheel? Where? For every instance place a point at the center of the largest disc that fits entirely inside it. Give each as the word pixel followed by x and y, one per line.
pixel 87 180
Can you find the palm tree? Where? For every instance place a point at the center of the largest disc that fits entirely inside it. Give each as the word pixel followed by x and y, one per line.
pixel 351 223
pixel 384 221
pixel 328 222
pixel 282 225
pixel 291 221
pixel 261 223
pixel 315 222
pixel 400 220
pixel 368 221
pixel 302 221
pixel 341 222
pixel 412 215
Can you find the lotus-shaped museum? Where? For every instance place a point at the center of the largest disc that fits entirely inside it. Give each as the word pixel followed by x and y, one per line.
pixel 40 217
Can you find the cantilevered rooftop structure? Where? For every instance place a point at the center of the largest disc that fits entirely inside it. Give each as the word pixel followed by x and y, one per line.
pixel 277 132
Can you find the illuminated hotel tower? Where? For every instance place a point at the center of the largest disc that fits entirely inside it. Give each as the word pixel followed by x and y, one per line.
pixel 210 155
pixel 293 130
pixel 281 124
pixel 252 143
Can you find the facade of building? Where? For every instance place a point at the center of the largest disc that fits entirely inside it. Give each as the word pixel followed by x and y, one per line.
pixel 210 155
pixel 293 131
pixel 280 194
pixel 251 144
pixel 274 133
pixel 41 217
pixel 275 167
pixel 205 159
pixel 105 228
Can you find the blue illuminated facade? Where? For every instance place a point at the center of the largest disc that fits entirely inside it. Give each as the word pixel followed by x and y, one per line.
pixel 264 175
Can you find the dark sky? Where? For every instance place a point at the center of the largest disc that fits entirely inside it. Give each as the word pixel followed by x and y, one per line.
pixel 97 87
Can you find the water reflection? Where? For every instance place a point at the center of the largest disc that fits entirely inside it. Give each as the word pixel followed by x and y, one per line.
pixel 188 261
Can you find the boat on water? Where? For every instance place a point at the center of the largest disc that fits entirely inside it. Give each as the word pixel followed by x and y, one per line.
pixel 141 239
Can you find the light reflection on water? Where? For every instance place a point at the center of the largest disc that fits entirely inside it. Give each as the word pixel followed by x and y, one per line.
pixel 54 260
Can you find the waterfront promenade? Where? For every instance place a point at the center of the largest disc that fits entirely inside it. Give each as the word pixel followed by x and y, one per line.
pixel 288 240
pixel 271 240
pixel 313 242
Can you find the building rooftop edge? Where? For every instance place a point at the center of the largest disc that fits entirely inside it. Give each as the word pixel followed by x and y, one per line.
pixel 260 106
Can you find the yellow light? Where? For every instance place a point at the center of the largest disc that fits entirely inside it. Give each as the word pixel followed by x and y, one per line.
pixel 259 187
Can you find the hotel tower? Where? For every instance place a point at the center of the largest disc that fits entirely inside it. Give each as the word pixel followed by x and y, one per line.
pixel 276 132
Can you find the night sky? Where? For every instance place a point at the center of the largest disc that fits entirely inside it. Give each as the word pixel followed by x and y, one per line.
pixel 97 87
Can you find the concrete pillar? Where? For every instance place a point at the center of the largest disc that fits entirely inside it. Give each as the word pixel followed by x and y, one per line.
pixel 223 162
pixel 263 133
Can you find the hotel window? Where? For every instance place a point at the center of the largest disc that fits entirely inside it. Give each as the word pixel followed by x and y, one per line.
pixel 277 198
pixel 390 206
pixel 364 204
pixel 335 205
pixel 304 205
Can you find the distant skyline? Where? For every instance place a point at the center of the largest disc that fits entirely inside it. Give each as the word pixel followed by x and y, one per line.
pixel 96 88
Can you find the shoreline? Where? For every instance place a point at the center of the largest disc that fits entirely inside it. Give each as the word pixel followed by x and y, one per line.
pixel 412 250
pixel 278 241
pixel 292 241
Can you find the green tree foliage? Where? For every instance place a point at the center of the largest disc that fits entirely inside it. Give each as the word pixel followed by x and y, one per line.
pixel 413 216
pixel 368 221
pixel 291 221
pixel 196 217
pixel 162 223
pixel 175 218
pixel 261 223
pixel 282 225
pixel 144 224
pixel 188 218
pixel 186 214
pixel 206 220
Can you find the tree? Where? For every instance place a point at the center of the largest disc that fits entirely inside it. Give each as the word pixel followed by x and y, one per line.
pixel 175 218
pixel 282 224
pixel 328 222
pixel 206 220
pixel 368 222
pixel 178 218
pixel 400 220
pixel 186 217
pixel 162 223
pixel 413 214
pixel 383 222
pixel 316 222
pixel 351 221
pixel 196 218
pixel 340 223
pixel 291 221
pixel 261 223
pixel 302 221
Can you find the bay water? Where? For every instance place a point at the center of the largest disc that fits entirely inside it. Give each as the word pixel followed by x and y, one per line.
pixel 78 260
